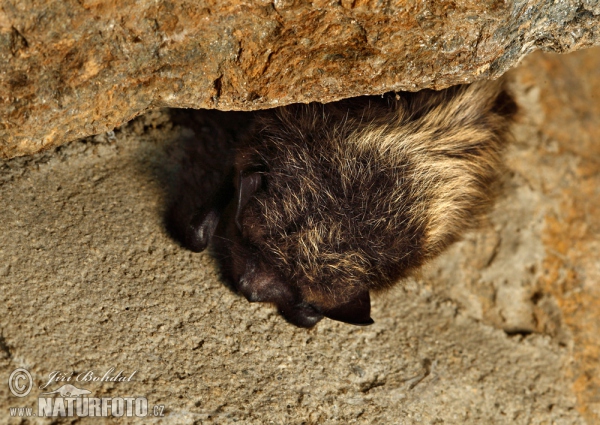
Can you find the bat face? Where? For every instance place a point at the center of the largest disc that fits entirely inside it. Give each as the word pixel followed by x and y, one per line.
pixel 320 204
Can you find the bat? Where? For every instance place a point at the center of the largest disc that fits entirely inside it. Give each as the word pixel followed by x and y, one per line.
pixel 312 206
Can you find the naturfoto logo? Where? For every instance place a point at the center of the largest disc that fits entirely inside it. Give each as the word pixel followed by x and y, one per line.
pixel 70 400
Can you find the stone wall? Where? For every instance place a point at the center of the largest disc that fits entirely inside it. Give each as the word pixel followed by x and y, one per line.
pixel 75 68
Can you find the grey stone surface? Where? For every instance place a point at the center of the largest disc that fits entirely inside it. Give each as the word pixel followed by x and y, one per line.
pixel 74 68
pixel 90 280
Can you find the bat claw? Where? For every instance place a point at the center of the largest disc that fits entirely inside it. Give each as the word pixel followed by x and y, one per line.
pixel 200 231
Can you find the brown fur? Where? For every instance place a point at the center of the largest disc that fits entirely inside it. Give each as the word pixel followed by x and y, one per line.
pixel 339 199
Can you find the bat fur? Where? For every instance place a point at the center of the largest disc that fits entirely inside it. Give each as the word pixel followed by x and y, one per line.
pixel 316 205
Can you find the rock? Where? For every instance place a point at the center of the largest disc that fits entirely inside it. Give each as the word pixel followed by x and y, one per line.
pixel 503 328
pixel 535 268
pixel 76 68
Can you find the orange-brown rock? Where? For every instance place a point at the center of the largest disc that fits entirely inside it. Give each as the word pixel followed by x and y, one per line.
pixel 75 68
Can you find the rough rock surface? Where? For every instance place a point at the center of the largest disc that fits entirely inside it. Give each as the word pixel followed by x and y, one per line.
pixel 74 68
pixel 502 329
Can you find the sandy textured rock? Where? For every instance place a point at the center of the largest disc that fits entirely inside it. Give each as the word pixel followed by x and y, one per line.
pixel 74 68
pixel 502 329
pixel 536 268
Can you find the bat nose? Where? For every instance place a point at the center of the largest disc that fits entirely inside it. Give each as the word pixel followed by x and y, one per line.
pixel 259 284
pixel 302 314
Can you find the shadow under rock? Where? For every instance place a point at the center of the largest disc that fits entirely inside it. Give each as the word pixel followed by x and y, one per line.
pixel 197 175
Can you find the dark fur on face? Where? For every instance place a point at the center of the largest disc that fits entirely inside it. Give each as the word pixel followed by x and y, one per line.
pixel 320 204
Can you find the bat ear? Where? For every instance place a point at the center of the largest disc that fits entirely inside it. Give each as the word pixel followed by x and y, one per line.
pixel 356 311
pixel 248 184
